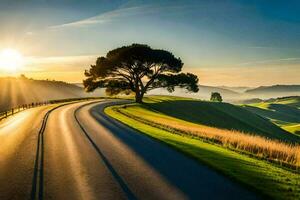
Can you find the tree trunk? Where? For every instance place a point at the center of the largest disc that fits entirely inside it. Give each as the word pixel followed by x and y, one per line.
pixel 139 97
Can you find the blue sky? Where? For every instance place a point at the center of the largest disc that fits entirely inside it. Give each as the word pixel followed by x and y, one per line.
pixel 230 42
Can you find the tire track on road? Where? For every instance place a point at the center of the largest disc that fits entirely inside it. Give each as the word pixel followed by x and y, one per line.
pixel 37 188
pixel 118 178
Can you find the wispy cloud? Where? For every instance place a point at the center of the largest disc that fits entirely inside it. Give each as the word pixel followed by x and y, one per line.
pixel 271 48
pixel 273 61
pixel 122 13
pixel 263 47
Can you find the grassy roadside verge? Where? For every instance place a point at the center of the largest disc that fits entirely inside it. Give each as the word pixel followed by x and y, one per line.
pixel 262 176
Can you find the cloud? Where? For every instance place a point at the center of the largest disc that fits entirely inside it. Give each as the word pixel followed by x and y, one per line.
pixel 122 13
pixel 271 48
pixel 273 61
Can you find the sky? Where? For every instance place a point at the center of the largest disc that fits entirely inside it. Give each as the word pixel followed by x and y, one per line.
pixel 228 42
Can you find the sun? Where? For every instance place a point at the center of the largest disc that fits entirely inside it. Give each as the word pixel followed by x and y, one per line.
pixel 11 60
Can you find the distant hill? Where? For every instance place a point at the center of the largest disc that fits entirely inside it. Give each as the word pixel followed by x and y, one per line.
pixel 236 89
pixel 275 89
pixel 210 89
pixel 18 91
pixel 237 95
pixel 204 93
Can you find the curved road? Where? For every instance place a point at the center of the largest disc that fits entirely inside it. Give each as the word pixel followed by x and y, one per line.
pixel 77 152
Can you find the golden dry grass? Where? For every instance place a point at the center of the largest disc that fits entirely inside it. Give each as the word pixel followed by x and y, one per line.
pixel 258 146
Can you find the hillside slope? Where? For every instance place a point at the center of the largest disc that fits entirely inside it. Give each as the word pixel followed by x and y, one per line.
pixel 293 101
pixel 220 115
pixel 18 91
pixel 283 112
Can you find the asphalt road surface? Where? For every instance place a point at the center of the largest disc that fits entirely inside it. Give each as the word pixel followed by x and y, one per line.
pixel 77 152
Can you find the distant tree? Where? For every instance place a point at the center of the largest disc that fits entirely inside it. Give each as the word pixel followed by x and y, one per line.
pixel 215 96
pixel 22 76
pixel 138 68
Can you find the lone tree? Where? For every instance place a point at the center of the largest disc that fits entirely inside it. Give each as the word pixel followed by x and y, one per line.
pixel 138 68
pixel 215 96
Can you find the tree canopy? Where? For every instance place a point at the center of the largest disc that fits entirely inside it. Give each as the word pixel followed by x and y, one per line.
pixel 137 69
pixel 215 96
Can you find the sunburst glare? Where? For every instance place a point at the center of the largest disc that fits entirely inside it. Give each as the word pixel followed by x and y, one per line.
pixel 11 60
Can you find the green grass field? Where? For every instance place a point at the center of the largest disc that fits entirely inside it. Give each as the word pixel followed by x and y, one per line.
pixel 267 178
pixel 219 115
pixel 293 101
pixel 284 112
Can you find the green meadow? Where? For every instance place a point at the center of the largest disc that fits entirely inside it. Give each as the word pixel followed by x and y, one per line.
pixel 219 115
pixel 283 112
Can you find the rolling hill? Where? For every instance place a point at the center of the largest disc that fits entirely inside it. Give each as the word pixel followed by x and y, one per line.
pixel 220 115
pixel 18 91
pixel 293 101
pixel 283 112
pixel 236 95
